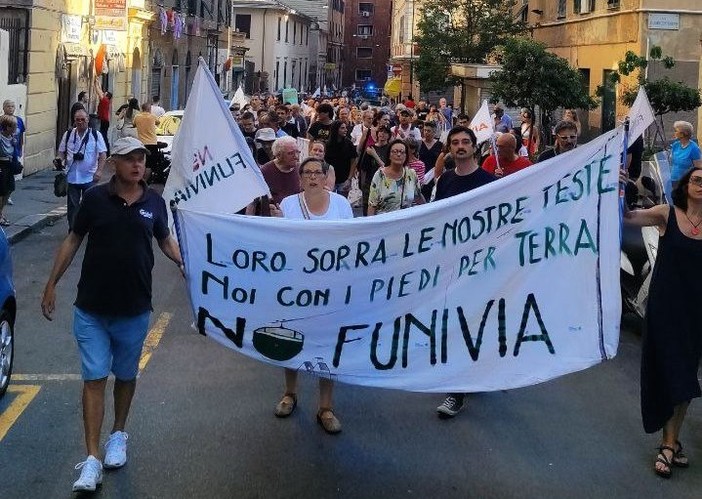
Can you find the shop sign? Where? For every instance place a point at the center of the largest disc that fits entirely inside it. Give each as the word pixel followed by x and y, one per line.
pixel 109 37
pixel 111 15
pixel 71 28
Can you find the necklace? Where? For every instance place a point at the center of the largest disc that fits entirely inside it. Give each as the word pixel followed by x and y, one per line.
pixel 694 231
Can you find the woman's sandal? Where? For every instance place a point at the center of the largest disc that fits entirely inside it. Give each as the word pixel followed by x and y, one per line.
pixel 286 406
pixel 328 421
pixel 663 459
pixel 679 458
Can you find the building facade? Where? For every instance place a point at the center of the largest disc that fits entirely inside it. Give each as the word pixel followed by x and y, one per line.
pixel 593 35
pixel 277 39
pixel 367 43
pixel 403 50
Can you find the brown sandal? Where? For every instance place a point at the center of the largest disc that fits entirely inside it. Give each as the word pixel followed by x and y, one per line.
pixel 679 458
pixel 663 459
pixel 286 406
pixel 328 421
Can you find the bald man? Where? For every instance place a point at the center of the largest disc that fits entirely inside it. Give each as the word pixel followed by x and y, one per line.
pixel 507 160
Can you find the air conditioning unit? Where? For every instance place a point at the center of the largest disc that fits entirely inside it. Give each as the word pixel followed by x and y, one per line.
pixel 584 6
pixel 365 13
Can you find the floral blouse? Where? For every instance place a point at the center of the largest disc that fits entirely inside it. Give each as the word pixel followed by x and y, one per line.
pixel 388 194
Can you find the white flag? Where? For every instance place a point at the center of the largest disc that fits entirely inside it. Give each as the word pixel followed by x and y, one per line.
pixel 482 123
pixel 212 168
pixel 316 93
pixel 239 98
pixel 640 116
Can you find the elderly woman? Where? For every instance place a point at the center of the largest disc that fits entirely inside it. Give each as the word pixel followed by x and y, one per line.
pixel 685 153
pixel 8 127
pixel 313 203
pixel 395 186
pixel 672 343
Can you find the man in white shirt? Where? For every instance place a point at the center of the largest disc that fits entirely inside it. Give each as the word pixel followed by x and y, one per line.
pixel 357 131
pixel 405 128
pixel 83 151
pixel 156 108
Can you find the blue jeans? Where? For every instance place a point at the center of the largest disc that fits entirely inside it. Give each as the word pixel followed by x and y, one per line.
pixel 74 195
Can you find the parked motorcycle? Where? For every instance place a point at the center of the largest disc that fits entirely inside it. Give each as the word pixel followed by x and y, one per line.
pixel 640 244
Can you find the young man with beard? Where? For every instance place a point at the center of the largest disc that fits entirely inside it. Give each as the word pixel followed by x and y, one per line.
pixel 466 176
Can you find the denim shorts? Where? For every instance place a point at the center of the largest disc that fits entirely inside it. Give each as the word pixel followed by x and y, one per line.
pixel 108 343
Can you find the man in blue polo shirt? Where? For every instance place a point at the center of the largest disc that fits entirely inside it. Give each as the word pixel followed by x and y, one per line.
pixel 113 305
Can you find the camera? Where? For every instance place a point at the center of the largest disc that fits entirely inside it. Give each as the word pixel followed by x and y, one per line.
pixel 78 156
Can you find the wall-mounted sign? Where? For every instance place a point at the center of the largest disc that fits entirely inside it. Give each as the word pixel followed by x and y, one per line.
pixel 111 23
pixel 71 29
pixel 111 8
pixel 111 14
pixel 664 21
pixel 109 37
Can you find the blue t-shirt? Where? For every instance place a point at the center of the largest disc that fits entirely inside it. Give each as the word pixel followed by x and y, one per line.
pixel 683 158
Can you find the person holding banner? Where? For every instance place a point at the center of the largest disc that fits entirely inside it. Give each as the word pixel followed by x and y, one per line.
pixel 313 203
pixel 684 152
pixel 396 186
pixel 566 140
pixel 672 343
pixel 467 175
pixel 506 161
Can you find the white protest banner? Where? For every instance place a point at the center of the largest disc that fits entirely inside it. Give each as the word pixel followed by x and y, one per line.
pixel 212 168
pixel 640 115
pixel 482 123
pixel 508 285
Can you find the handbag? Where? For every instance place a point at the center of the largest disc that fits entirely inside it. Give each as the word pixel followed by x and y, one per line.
pixel 16 166
pixel 61 185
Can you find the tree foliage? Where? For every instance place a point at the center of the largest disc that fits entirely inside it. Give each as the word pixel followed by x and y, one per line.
pixel 664 94
pixel 459 31
pixel 531 76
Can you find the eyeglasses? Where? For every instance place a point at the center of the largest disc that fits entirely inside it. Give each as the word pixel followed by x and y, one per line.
pixel 315 173
pixel 696 181
pixel 567 137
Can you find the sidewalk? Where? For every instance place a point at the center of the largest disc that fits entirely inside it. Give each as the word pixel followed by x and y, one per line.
pixel 35 206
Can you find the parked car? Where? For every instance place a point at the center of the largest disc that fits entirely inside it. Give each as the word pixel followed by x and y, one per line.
pixel 167 128
pixel 7 314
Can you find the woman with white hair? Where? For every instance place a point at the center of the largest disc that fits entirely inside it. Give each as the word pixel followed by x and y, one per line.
pixel 685 154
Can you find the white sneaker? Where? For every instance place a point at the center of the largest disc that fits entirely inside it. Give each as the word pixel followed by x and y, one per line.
pixel 90 475
pixel 116 450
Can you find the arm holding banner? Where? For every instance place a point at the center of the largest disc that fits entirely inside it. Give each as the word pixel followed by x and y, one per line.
pixel 651 217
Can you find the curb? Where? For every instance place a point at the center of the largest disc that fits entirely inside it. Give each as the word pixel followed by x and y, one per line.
pixel 32 223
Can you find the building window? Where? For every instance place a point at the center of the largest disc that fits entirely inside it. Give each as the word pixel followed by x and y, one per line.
pixel 363 75
pixel 561 9
pixel 307 36
pixel 612 4
pixel 287 30
pixel 365 30
pixel 294 33
pixel 280 20
pixel 242 23
pixel 364 53
pixel 277 74
pixel 584 6
pixel 365 7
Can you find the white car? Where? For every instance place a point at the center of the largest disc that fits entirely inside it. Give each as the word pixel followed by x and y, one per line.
pixel 167 128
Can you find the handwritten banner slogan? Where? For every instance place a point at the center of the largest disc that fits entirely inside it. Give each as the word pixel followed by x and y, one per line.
pixel 506 286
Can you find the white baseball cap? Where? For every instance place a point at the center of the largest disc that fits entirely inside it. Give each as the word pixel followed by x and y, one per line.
pixel 125 145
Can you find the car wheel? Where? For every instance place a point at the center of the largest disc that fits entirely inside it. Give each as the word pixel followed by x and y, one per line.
pixel 7 350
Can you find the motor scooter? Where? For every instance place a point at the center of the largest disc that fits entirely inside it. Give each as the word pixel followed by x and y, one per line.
pixel 640 244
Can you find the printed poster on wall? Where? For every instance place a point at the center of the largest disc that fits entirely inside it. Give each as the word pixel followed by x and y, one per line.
pixel 509 285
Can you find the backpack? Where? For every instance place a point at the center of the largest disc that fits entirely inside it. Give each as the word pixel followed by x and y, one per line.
pixel 68 133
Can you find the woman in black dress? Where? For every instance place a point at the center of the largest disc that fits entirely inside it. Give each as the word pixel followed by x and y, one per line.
pixel 672 341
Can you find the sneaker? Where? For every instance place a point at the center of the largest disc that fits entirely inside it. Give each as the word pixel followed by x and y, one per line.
pixel 452 405
pixel 116 450
pixel 90 475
